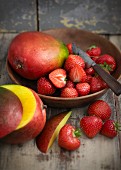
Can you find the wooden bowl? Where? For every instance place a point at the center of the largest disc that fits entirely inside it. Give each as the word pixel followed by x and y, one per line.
pixel 83 39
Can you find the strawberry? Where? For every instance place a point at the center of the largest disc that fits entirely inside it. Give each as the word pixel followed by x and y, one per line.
pixel 90 71
pixel 97 84
pixel 89 78
pixel 69 92
pixel 69 46
pixel 69 83
pixel 110 128
pixel 77 74
pixel 45 87
pixel 91 125
pixel 83 88
pixel 72 61
pixel 68 137
pixel 107 61
pixel 94 58
pixel 93 50
pixel 58 77
pixel 100 108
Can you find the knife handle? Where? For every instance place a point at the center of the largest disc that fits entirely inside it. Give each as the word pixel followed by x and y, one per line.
pixel 110 80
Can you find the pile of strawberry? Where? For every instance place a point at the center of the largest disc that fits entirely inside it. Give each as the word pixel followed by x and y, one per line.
pixel 97 121
pixel 74 78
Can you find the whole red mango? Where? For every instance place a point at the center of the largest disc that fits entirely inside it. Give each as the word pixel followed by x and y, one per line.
pixel 34 54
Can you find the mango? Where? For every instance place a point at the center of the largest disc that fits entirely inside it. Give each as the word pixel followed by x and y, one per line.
pixel 34 115
pixel 11 111
pixel 35 54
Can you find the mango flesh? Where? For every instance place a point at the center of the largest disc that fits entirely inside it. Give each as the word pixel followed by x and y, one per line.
pixel 51 130
pixel 35 54
pixel 11 111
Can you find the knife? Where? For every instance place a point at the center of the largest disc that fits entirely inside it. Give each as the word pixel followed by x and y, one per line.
pixel 114 85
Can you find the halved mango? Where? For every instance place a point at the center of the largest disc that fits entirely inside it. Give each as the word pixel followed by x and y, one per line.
pixel 34 115
pixel 28 103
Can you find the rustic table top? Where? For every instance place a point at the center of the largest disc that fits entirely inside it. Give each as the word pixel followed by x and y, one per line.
pixel 99 153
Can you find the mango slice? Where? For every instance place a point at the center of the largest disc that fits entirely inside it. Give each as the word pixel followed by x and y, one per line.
pixel 51 130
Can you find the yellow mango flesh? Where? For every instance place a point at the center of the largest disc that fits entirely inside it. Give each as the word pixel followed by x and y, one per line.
pixel 28 102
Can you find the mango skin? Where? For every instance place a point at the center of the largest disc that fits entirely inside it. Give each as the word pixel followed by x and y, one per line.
pixel 10 111
pixel 34 54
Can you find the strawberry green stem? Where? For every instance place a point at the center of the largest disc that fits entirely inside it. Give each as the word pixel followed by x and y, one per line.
pixel 117 126
pixel 77 133
pixel 92 46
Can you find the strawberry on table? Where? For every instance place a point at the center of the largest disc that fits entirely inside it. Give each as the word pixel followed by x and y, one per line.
pixel 45 87
pixel 91 125
pixel 93 50
pixel 83 88
pixel 107 61
pixel 110 128
pixel 58 77
pixel 68 137
pixel 100 108
pixel 69 92
pixel 77 74
pixel 72 61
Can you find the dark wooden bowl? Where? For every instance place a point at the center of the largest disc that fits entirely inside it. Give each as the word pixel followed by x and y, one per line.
pixel 83 39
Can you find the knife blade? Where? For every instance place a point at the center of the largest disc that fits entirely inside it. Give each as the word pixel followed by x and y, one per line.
pixel 113 84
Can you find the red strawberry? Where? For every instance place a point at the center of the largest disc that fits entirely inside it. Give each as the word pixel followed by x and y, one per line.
pixel 77 74
pixel 110 128
pixel 72 61
pixel 69 46
pixel 104 85
pixel 45 87
pixel 83 88
pixel 100 108
pixel 68 137
pixel 69 83
pixel 58 77
pixel 94 58
pixel 88 79
pixel 69 92
pixel 90 71
pixel 93 50
pixel 107 61
pixel 91 125
pixel 97 84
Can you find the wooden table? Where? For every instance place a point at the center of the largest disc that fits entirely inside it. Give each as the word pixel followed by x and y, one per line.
pixel 99 153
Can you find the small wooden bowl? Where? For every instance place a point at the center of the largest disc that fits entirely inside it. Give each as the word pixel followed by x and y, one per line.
pixel 83 39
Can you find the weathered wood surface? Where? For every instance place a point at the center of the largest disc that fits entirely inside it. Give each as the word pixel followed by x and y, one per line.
pixel 99 153
pixel 98 16
pixel 18 15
